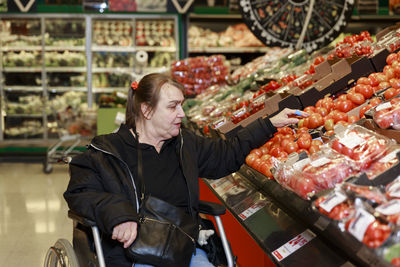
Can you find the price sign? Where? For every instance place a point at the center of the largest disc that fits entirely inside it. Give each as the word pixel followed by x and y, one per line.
pixel 293 245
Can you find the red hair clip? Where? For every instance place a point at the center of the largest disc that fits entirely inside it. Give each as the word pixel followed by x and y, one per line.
pixel 134 85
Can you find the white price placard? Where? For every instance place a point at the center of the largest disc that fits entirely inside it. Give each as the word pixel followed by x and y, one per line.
pixel 320 162
pixel 293 245
pixel 332 201
pixel 389 208
pixel 352 140
pixel 383 106
pixel 362 220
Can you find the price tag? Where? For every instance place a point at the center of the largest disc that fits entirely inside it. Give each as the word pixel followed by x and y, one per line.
pixel 390 208
pixel 332 201
pixel 320 162
pixel 358 227
pixel 352 140
pixel 394 190
pixel 389 156
pixel 383 106
pixel 293 245
pixel 253 209
pixel 299 165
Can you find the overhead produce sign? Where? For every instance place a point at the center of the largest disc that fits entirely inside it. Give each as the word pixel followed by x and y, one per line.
pixel 283 23
pixel 21 5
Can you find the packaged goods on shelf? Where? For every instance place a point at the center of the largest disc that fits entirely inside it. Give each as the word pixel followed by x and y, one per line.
pixel 112 33
pixel 155 33
pixel 199 73
pixel 30 104
pixel 22 59
pixel 234 36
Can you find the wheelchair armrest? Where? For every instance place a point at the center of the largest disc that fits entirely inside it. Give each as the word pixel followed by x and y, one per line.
pixel 211 208
pixel 80 219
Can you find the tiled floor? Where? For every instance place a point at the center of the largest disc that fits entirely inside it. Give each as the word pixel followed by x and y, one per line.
pixel 33 213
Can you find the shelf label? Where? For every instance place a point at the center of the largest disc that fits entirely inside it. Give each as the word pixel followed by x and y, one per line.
pixel 383 106
pixel 359 226
pixel 253 209
pixel 389 157
pixel 390 208
pixel 332 201
pixel 320 162
pixel 352 140
pixel 293 245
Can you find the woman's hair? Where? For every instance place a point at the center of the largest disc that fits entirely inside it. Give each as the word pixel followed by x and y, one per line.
pixel 147 91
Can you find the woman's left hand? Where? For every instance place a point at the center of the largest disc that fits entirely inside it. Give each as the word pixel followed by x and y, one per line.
pixel 282 118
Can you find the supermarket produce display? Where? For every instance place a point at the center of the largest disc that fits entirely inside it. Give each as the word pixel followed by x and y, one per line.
pixel 336 169
pixel 47 57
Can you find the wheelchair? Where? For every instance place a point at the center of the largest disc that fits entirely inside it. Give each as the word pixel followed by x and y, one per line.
pixel 86 250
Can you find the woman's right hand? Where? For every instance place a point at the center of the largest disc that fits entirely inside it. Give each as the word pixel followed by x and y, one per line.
pixel 125 233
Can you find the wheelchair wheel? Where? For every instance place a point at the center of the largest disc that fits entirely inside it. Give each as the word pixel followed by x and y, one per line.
pixel 61 254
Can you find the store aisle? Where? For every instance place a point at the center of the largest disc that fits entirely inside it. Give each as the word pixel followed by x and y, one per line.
pixel 33 213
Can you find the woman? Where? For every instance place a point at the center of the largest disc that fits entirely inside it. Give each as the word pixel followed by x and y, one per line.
pixel 101 189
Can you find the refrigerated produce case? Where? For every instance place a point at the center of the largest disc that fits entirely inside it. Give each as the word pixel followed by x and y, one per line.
pixel 53 62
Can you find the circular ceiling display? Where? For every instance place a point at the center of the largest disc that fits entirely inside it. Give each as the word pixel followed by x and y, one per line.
pixel 277 22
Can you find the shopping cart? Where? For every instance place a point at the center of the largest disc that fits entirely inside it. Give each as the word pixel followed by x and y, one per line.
pixel 72 128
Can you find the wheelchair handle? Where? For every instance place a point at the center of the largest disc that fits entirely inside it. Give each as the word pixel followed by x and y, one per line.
pixel 80 219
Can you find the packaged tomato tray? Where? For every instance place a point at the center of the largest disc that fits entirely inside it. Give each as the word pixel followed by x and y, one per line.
pixel 371 194
pixel 387 114
pixel 360 145
pixel 335 205
pixel 393 189
pixel 368 229
pixel 308 176
pixel 390 211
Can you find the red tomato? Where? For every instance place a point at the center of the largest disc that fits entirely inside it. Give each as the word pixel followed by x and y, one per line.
pixel 264 150
pixel 375 101
pixel 285 130
pixel 268 144
pixel 327 103
pixel 315 120
pixel 309 109
pixel 304 142
pixel 340 116
pixel 256 164
pixel 389 72
pixel 250 159
pixel 383 85
pixel 357 98
pixel 257 152
pixel 353 119
pixel 367 91
pixel 276 151
pixel 373 79
pixel 313 149
pixel 316 143
pixel 336 145
pixel 265 157
pixel 318 60
pixel 390 58
pixel 330 132
pixel 265 169
pixel 344 106
pixel 285 141
pixel 381 77
pixel 364 80
pixel 389 93
pixel 347 151
pixel 395 83
pixel 321 110
pixel 365 109
pixel 395 262
pixel 342 97
pixel 291 147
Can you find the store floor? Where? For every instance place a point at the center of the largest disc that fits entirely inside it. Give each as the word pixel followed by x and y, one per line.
pixel 33 213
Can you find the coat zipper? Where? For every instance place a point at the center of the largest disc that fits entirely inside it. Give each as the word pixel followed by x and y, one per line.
pixel 187 184
pixel 126 165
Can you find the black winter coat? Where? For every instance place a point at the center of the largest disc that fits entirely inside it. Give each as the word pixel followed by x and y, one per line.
pixel 102 188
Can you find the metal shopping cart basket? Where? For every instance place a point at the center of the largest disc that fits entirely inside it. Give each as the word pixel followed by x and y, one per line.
pixel 72 128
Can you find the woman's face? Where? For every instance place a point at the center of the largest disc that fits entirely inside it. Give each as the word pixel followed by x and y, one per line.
pixel 167 116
